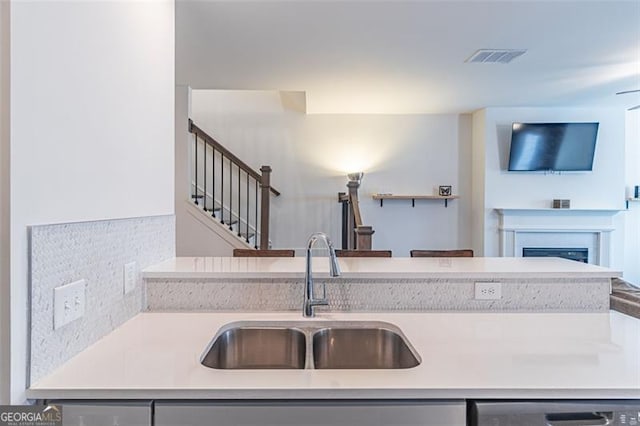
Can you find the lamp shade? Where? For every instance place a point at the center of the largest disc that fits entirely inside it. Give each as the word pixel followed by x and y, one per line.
pixel 355 177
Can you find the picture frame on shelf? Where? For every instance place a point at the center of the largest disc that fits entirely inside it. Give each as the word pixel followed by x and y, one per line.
pixel 444 191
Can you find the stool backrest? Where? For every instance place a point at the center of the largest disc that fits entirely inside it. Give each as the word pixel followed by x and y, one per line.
pixel 263 253
pixel 442 253
pixel 363 253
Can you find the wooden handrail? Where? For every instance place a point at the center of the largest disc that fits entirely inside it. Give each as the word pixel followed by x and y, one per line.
pixel 193 128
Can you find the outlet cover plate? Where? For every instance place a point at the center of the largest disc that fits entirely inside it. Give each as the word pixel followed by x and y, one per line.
pixel 130 275
pixel 69 303
pixel 488 291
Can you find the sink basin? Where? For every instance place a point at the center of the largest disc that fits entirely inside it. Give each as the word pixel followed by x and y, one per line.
pixel 309 344
pixel 257 348
pixel 361 348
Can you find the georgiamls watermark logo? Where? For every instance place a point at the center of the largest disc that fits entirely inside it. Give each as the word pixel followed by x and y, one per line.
pixel 30 415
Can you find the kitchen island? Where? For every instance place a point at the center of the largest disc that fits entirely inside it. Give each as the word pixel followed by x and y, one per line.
pixel 463 356
pixel 548 335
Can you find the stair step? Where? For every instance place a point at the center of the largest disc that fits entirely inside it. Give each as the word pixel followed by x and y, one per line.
pixel 244 235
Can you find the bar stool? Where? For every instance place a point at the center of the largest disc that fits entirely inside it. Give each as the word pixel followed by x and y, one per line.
pixel 442 253
pixel 363 253
pixel 263 253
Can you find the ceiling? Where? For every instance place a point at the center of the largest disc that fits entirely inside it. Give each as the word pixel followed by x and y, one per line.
pixel 409 57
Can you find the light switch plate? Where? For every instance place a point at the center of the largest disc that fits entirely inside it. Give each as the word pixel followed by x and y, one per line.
pixel 130 275
pixel 69 303
pixel 488 291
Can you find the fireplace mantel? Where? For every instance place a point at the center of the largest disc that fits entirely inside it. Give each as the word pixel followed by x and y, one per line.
pixel 557 211
pixel 549 227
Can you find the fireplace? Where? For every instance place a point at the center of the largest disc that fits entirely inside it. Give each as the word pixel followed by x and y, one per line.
pixel 578 254
pixel 557 230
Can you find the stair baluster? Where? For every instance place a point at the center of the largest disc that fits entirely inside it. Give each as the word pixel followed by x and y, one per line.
pixel 255 240
pixel 195 196
pixel 221 188
pixel 248 205
pixel 213 181
pixel 230 195
pixel 204 179
pixel 239 205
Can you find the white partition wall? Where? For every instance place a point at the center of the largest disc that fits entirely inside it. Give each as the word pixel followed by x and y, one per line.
pixel 4 202
pixel 92 125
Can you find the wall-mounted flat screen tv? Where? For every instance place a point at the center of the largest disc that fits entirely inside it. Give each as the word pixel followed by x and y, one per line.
pixel 552 146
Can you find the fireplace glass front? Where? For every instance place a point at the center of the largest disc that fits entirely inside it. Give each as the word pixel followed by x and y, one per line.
pixel 577 254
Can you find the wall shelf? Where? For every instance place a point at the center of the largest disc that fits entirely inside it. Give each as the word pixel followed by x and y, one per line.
pixel 413 198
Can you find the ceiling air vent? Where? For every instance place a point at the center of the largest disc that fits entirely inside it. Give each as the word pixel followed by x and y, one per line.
pixel 495 56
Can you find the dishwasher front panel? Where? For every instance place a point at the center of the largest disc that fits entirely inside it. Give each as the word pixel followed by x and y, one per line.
pixel 555 413
pixel 310 413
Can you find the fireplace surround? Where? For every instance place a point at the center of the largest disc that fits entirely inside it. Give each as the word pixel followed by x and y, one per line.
pixel 588 229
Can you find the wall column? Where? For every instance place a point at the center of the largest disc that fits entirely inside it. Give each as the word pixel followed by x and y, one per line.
pixel 5 195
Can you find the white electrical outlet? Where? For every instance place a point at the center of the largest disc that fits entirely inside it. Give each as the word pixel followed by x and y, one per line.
pixel 488 291
pixel 68 302
pixel 130 275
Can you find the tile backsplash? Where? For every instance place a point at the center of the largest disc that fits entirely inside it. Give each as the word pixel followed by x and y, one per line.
pixel 96 252
pixel 375 295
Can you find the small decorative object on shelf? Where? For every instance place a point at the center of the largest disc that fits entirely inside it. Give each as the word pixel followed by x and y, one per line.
pixel 636 191
pixel 561 204
pixel 444 190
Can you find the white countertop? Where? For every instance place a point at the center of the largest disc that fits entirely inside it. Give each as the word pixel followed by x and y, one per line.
pixel 464 355
pixel 377 268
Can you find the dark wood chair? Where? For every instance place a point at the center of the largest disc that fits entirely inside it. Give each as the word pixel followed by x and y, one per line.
pixel 442 253
pixel 363 253
pixel 263 253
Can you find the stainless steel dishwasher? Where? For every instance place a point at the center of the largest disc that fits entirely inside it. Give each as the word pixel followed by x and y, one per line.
pixel 555 413
pixel 311 413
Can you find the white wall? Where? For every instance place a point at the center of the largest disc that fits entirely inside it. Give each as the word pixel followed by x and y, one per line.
pixel 632 216
pixel 311 155
pixel 92 124
pixel 603 188
pixel 4 202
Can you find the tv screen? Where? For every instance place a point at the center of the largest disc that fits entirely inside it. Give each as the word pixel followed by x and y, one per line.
pixel 552 146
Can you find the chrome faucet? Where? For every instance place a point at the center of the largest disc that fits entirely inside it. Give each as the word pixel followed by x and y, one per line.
pixel 334 270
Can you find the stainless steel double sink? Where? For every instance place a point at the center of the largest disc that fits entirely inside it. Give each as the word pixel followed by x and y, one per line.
pixel 310 345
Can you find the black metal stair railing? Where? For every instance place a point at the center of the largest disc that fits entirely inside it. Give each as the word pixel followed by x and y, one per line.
pixel 246 216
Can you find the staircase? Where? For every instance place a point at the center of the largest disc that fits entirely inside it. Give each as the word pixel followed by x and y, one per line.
pixel 229 191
